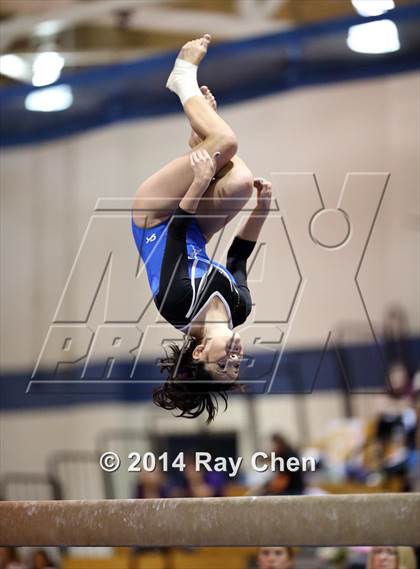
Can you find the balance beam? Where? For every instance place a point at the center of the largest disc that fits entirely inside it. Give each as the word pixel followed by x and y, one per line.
pixel 371 519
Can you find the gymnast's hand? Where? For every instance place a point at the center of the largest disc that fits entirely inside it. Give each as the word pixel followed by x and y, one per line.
pixel 203 165
pixel 263 188
pixel 204 168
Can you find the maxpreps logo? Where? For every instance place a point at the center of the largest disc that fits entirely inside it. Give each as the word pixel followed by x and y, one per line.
pixel 305 278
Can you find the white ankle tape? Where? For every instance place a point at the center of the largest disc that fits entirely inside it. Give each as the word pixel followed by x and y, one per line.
pixel 183 80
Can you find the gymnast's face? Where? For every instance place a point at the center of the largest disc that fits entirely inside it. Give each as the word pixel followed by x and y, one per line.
pixel 384 558
pixel 274 558
pixel 221 355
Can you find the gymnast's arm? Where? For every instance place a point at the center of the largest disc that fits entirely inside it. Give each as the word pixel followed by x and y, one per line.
pixel 244 243
pixel 204 168
pixel 237 256
pixel 257 217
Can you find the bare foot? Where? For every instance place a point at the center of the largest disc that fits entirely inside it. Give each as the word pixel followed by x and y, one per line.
pixel 194 51
pixel 211 100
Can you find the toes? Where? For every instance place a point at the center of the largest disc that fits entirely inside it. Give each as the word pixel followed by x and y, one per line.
pixel 210 98
pixel 198 44
pixel 205 40
pixel 202 42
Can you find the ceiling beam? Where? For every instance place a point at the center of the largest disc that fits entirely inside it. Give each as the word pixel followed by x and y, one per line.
pixel 226 26
pixel 145 15
pixel 60 18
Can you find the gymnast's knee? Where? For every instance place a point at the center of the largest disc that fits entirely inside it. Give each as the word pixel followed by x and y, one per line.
pixel 242 183
pixel 227 144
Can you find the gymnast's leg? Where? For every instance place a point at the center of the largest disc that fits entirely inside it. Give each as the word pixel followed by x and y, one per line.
pixel 160 194
pixel 228 193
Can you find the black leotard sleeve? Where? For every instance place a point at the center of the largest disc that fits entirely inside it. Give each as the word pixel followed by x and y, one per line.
pixel 175 291
pixel 237 257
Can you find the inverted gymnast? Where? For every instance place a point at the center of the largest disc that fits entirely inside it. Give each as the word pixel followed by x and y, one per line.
pixel 198 296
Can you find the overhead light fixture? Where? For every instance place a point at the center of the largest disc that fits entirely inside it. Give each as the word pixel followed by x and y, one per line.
pixel 51 99
pixel 47 68
pixel 374 37
pixel 15 67
pixel 373 7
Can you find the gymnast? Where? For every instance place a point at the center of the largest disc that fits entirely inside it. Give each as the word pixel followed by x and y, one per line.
pixel 200 297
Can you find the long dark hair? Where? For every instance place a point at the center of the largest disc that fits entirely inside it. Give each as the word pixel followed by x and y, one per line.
pixel 189 387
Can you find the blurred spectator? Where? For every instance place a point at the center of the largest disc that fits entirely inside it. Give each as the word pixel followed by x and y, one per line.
pixel 400 369
pixel 151 485
pixel 396 426
pixel 276 558
pixel 286 482
pixel 9 558
pixel 391 558
pixel 256 479
pixel 395 437
pixel 334 557
pixel 356 557
pixel 201 484
pixel 40 560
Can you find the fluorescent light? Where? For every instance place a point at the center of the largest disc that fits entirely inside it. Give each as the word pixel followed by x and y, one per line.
pixel 14 66
pixel 57 98
pixel 47 68
pixel 373 7
pixel 374 37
